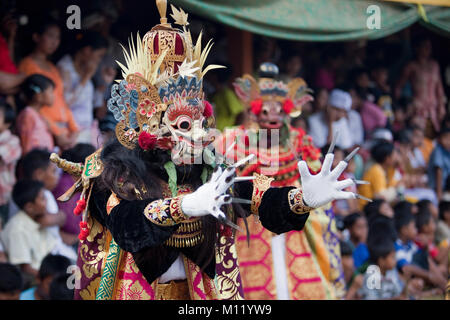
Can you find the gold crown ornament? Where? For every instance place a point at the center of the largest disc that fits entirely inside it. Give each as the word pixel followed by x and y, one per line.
pixel 160 101
pixel 255 93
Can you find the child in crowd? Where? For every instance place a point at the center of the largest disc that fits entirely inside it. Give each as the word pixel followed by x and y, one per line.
pixel 70 230
pixel 380 89
pixel 439 164
pixel 404 205
pixel 381 175
pixel 381 279
pixel 410 261
pixel 37 166
pixel 26 241
pixel 412 166
pixel 443 225
pixel 413 175
pixel 320 100
pixel 59 290
pixel 51 266
pixel 10 153
pixel 377 208
pixel 371 115
pixel 356 224
pixel 426 227
pixel 37 92
pixel 429 206
pixel 422 148
pixel 46 36
pixel 347 261
pixel 11 282
pixel 401 111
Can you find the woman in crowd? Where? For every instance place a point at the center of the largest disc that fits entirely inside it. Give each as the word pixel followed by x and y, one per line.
pixel 46 37
pixel 77 70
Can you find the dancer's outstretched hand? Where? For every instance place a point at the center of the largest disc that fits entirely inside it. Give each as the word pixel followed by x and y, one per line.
pixel 324 187
pixel 211 196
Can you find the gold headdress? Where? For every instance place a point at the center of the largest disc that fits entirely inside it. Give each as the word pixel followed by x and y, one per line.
pixel 160 101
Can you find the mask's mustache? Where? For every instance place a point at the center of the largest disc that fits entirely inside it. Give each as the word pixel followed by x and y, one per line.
pixel 184 153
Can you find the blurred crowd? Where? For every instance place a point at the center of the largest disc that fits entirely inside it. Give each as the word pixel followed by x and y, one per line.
pixel 391 104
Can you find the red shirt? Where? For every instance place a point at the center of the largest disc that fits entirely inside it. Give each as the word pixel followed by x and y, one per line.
pixel 6 63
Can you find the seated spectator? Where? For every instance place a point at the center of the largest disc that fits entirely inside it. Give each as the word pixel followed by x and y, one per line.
pixel 410 165
pixel 381 90
pixel 439 164
pixel 325 76
pixel 37 166
pixel 59 289
pixel 410 261
pixel 443 225
pixel 404 205
pixel 381 175
pixel 378 136
pixel 324 125
pixel 292 66
pixel 359 76
pixel 426 227
pixel 77 70
pixel 372 116
pixel 320 100
pixel 381 280
pixel 10 153
pixel 356 224
pixel 347 261
pixel 11 282
pixel 401 115
pixel 356 125
pixel 51 266
pixel 70 230
pixel 377 208
pixel 413 176
pixel 26 242
pixel 37 92
pixel 422 148
pixel 427 205
pixel 46 37
pixel 380 225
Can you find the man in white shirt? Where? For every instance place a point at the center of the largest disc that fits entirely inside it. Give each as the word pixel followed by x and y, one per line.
pixel 26 242
pixel 324 125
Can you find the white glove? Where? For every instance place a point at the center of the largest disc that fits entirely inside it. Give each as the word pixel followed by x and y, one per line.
pixel 211 196
pixel 322 188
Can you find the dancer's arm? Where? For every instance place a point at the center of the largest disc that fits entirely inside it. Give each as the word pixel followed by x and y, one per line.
pixel 131 223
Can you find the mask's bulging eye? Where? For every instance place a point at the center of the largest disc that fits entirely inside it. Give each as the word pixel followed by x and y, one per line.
pixel 184 123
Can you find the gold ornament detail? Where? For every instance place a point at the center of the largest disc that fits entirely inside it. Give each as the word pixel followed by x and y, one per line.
pixel 189 234
pixel 260 185
pixel 295 197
